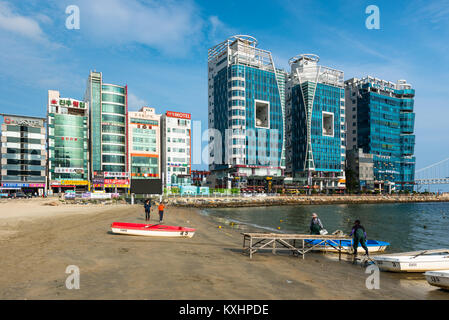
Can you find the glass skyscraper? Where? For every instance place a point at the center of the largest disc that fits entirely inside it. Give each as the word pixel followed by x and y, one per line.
pixel 245 114
pixel 315 125
pixel 108 130
pixel 380 121
pixel 68 143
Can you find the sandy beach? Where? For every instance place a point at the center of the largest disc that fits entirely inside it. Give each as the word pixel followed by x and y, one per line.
pixel 39 241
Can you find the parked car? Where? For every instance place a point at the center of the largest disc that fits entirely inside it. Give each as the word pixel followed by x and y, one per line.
pixel 19 195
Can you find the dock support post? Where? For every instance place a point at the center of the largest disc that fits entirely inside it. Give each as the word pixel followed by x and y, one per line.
pixel 339 252
pixel 250 247
pixel 303 253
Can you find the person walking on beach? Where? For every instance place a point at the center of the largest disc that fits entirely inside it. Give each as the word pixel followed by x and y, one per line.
pixel 161 212
pixel 147 207
pixel 359 236
pixel 315 225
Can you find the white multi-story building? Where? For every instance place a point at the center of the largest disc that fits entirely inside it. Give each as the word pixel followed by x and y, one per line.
pixel 23 154
pixel 176 148
pixel 144 144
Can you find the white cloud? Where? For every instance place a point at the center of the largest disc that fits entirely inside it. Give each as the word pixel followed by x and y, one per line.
pixel 219 31
pixel 169 26
pixel 436 12
pixel 135 103
pixel 15 23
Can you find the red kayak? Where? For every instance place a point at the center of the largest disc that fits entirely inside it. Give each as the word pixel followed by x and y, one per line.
pixel 151 230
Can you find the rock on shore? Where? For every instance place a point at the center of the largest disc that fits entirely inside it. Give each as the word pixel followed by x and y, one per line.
pixel 258 201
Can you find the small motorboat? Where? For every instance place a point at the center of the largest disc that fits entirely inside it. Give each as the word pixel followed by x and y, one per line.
pixel 417 261
pixel 332 245
pixel 438 278
pixel 151 230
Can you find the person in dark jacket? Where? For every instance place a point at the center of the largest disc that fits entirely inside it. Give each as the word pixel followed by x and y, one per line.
pixel 315 225
pixel 359 236
pixel 147 207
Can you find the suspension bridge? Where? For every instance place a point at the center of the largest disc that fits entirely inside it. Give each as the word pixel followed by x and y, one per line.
pixel 434 174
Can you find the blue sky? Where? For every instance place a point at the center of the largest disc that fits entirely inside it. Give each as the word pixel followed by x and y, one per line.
pixel 159 49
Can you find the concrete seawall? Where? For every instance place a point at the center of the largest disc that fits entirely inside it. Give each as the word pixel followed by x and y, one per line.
pixel 216 202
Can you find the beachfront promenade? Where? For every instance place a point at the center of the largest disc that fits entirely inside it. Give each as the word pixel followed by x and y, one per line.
pixel 215 201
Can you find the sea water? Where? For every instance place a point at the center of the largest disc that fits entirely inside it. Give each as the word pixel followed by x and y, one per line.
pixel 407 227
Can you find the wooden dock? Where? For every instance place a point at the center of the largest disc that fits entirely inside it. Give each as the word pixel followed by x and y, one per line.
pixel 295 243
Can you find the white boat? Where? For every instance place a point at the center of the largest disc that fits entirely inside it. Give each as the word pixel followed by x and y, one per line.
pixel 417 261
pixel 152 230
pixel 438 278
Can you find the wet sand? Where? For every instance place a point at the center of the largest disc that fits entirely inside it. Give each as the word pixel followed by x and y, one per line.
pixel 38 242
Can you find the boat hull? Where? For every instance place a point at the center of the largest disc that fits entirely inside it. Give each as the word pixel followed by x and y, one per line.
pixel 411 264
pixel 438 279
pixel 331 246
pixel 152 230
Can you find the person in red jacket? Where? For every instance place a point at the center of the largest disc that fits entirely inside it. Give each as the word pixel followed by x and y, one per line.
pixel 161 212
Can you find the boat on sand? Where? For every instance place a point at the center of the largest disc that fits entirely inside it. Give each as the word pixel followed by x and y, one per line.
pixel 151 230
pixel 438 278
pixel 416 261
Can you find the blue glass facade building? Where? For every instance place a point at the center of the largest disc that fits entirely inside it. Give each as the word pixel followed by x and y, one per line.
pixel 315 124
pixel 245 112
pixel 381 122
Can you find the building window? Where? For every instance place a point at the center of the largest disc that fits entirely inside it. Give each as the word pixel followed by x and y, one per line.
pixel 262 112
pixel 328 124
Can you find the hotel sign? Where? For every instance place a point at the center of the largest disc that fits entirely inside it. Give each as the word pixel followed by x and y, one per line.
pixel 179 115
pixel 20 121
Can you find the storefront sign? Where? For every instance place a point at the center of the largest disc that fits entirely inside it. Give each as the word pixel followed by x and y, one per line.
pixel 70 195
pixel 180 115
pixel 69 139
pixel 100 196
pixel 74 182
pixel 23 185
pixel 20 121
pixel 116 181
pixel 116 186
pixel 69 170
pixel 69 103
pixel 116 175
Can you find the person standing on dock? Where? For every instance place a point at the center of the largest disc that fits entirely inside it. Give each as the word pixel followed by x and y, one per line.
pixel 147 207
pixel 315 225
pixel 359 236
pixel 161 212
